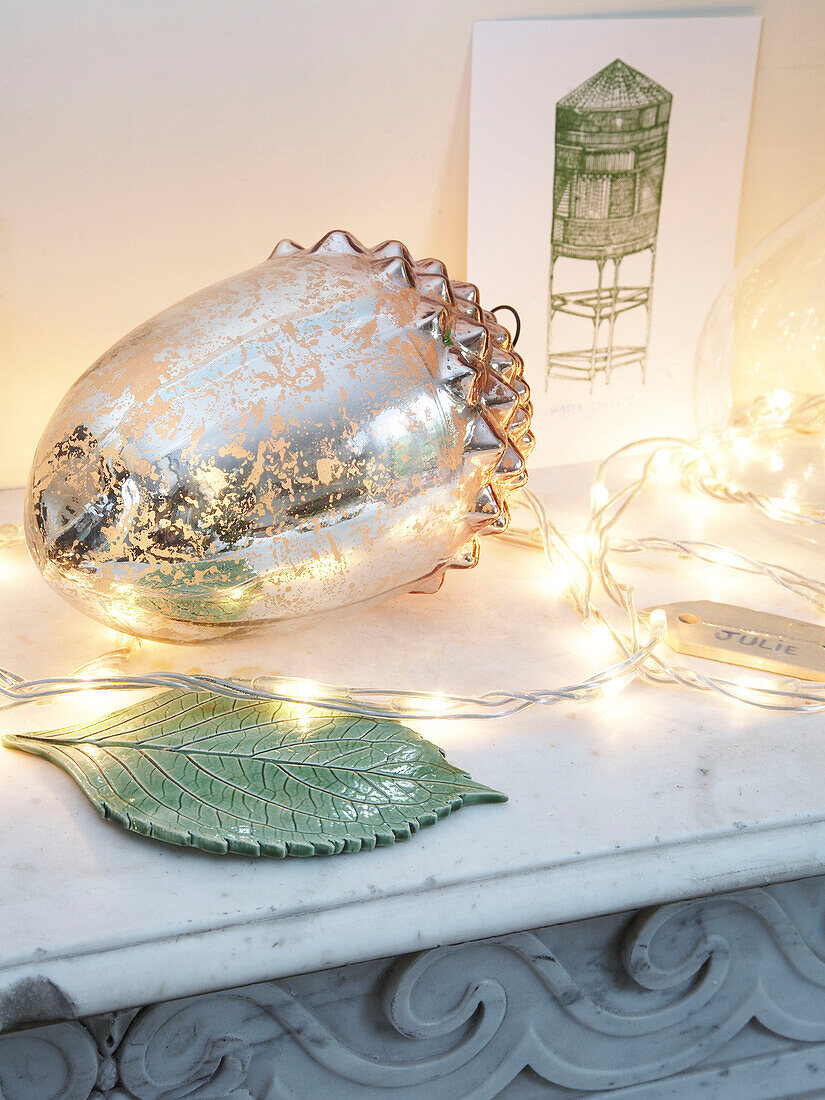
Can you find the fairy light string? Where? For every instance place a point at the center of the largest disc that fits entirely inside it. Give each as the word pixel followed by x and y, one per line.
pixel 581 572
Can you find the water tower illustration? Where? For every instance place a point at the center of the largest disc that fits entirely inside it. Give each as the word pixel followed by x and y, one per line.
pixel 611 143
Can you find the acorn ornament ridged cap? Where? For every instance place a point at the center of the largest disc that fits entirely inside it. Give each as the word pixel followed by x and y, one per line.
pixel 332 426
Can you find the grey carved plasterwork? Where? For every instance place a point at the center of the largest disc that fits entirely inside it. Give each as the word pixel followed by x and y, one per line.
pixel 724 996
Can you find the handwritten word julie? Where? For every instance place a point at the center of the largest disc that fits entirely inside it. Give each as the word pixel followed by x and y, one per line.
pixel 756 641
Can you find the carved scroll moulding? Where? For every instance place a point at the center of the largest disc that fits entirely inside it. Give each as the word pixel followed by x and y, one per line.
pixel 466 1020
pixel 597 1005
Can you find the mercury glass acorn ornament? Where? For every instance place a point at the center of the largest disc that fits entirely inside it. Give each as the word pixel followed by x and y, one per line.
pixel 332 426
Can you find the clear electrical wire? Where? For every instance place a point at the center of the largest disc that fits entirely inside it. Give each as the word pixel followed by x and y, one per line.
pixel 581 572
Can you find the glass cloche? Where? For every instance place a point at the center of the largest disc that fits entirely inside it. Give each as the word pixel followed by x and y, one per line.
pixel 760 371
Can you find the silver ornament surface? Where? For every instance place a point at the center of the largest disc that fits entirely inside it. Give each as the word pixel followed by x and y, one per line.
pixel 332 426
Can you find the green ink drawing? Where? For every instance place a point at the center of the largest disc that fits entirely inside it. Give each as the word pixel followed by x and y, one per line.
pixel 611 144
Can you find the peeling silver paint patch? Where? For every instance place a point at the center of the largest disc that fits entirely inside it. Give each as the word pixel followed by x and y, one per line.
pixel 34 1001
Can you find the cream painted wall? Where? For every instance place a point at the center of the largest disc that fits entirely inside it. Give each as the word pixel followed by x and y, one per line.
pixel 153 146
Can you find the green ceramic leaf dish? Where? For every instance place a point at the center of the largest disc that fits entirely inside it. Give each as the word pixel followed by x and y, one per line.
pixel 257 778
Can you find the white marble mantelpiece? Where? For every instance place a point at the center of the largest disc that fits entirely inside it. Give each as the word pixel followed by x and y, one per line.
pixel 655 796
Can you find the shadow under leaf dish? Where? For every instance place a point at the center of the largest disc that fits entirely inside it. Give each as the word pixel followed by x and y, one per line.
pixel 257 778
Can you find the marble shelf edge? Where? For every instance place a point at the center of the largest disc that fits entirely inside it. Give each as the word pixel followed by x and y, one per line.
pixel 185 963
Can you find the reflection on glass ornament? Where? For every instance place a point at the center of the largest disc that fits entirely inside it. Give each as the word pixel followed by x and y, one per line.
pixel 760 373
pixel 332 426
